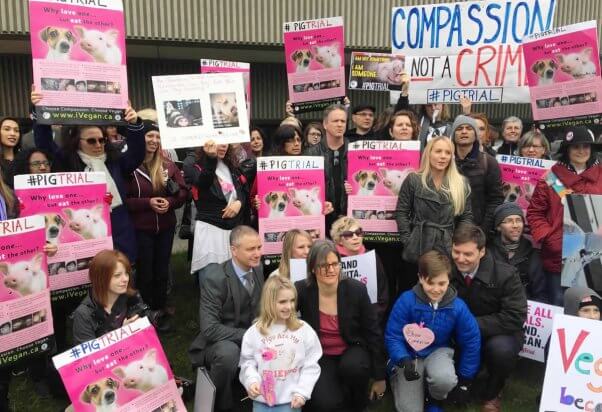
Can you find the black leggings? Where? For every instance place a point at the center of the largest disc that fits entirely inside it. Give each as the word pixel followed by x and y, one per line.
pixel 152 269
pixel 343 382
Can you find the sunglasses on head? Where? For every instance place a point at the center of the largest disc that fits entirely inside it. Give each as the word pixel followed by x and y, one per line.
pixel 348 234
pixel 92 141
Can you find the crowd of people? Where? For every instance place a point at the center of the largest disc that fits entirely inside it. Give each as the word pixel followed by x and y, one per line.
pixel 464 266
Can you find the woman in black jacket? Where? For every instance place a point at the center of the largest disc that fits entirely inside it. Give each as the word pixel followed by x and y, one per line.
pixel 112 302
pixel 340 312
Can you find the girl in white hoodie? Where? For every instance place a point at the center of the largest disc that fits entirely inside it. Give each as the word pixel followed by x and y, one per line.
pixel 279 354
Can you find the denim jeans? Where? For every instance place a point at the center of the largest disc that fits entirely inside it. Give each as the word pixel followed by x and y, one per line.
pixel 262 407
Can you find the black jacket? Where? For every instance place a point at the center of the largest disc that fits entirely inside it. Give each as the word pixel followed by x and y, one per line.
pixel 483 174
pixel 353 136
pixel 321 149
pixel 528 263
pixel 91 321
pixel 358 323
pixel 207 193
pixel 508 149
pixel 496 298
pixel 425 218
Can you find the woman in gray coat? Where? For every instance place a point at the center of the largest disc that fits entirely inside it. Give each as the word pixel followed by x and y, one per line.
pixel 431 202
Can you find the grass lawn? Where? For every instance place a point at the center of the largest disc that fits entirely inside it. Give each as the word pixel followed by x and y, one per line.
pixel 519 394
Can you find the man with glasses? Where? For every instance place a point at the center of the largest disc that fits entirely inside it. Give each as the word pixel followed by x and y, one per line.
pixel 334 150
pixel 363 118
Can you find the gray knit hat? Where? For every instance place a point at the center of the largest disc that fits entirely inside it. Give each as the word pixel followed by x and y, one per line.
pixel 460 120
pixel 504 210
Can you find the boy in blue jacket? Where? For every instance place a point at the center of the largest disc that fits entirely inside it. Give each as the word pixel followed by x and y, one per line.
pixel 432 304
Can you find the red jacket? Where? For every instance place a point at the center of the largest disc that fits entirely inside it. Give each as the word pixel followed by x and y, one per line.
pixel 545 212
pixel 140 191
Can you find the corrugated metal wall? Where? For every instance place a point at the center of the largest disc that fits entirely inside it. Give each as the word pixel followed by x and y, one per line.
pixel 259 22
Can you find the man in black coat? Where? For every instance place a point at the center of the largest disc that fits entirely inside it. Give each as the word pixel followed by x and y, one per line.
pixel 496 297
pixel 511 247
pixel 230 295
pixel 481 170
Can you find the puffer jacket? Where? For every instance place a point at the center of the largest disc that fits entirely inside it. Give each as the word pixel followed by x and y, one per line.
pixel 425 218
pixel 496 298
pixel 139 193
pixel 450 322
pixel 545 211
pixel 321 149
pixel 527 261
pixel 483 174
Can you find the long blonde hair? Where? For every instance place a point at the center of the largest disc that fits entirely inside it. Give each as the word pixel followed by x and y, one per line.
pixel 288 243
pixel 268 314
pixel 454 184
pixel 156 172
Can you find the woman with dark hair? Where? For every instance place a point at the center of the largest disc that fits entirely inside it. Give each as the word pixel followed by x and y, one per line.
pixel 219 190
pixel 85 149
pixel 112 301
pixel 313 134
pixel 10 143
pixel 32 160
pixel 259 143
pixel 403 126
pixel 287 141
pixel 579 172
pixel 154 191
pixel 339 310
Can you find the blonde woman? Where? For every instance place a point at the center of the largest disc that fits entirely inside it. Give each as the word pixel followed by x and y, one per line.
pixel 279 348
pixel 431 202
pixel 295 245
pixel 154 191
pixel 348 237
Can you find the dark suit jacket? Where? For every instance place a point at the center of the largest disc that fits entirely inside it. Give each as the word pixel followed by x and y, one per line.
pixel 358 324
pixel 221 315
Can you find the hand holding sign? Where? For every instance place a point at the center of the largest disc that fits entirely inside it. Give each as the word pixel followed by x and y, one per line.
pixel 417 336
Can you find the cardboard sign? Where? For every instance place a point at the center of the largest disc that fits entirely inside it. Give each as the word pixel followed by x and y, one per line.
pixel 25 315
pixel 195 108
pixel 564 71
pixel 573 379
pixel 537 329
pixel 470 49
pixel 376 170
pixel 377 72
pixel 292 194
pixel 78 56
pixel 314 52
pixel 124 370
pixel 77 220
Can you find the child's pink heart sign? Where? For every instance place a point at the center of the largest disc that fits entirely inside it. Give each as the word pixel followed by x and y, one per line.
pixel 417 336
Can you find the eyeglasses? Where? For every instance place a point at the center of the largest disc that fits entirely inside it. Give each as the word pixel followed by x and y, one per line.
pixel 327 266
pixel 335 160
pixel 348 234
pixel 39 163
pixel 533 146
pixel 93 141
pixel 314 134
pixel 365 114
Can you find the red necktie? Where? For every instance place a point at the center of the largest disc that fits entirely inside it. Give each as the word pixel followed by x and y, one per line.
pixel 468 280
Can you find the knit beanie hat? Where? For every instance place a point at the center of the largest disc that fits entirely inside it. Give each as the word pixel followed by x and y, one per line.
pixel 149 125
pixel 504 210
pixel 460 120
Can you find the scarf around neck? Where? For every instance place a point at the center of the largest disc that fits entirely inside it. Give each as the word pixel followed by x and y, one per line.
pixel 97 164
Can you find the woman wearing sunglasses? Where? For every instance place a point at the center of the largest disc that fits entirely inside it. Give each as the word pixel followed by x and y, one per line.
pixel 85 149
pixel 431 202
pixel 348 236
pixel 339 310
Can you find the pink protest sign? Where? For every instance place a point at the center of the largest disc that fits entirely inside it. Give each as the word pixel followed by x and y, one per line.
pixel 314 52
pixel 291 193
pixel 376 171
pixel 25 315
pixel 224 66
pixel 124 370
pixel 77 220
pixel 519 177
pixel 563 70
pixel 79 64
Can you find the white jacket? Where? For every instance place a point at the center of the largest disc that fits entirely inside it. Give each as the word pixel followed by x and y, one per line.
pixel 292 357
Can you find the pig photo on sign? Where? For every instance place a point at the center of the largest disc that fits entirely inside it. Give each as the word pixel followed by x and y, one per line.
pixel 393 179
pixel 88 223
pixel 26 277
pixel 307 201
pixel 224 110
pixel 143 375
pixel 102 46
